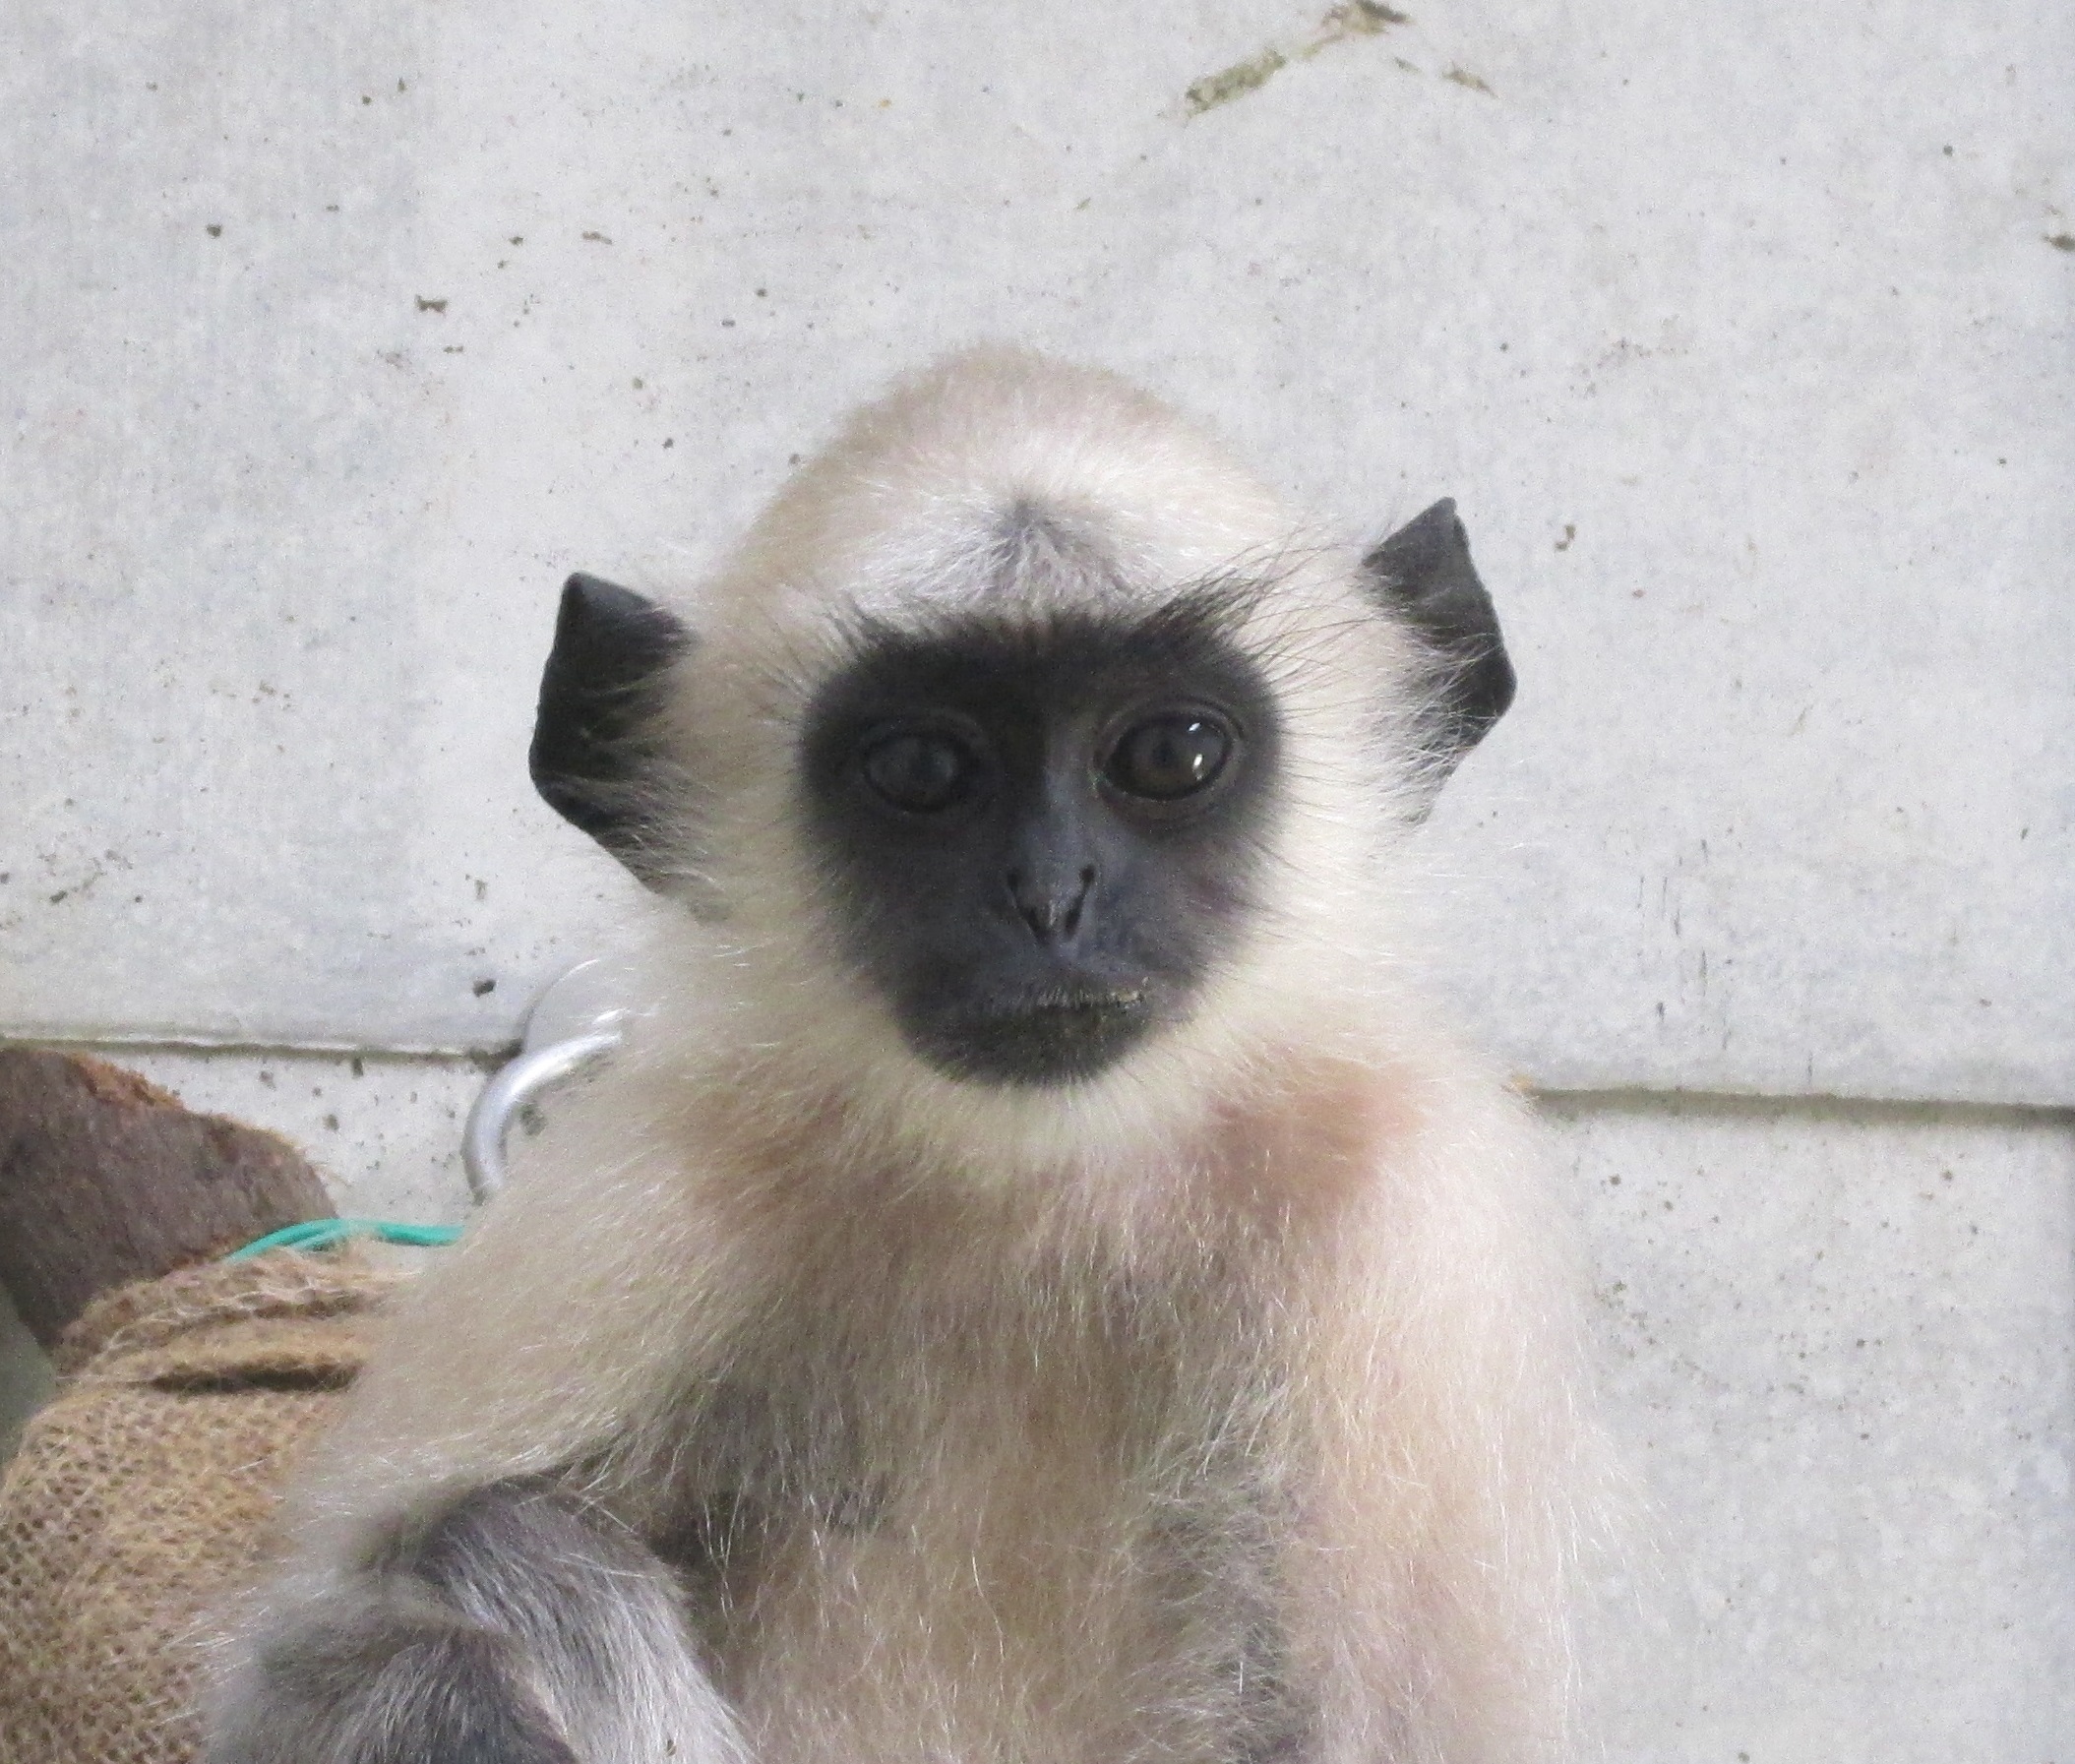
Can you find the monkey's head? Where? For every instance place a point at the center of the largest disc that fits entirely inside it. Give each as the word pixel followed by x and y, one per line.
pixel 1028 725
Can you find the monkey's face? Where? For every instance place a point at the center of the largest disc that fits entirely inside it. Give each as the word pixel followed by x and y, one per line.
pixel 1039 839
pixel 954 718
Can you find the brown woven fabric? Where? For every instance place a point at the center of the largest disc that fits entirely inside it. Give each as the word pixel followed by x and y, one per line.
pixel 142 1493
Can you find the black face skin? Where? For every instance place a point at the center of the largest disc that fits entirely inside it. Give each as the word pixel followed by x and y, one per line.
pixel 1041 837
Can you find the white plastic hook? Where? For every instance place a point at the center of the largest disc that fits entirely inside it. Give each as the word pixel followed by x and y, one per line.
pixel 570 1026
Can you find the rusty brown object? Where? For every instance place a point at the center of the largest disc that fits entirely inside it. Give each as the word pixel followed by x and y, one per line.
pixel 105 1180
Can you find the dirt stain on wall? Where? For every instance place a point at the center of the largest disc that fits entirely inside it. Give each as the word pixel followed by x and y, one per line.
pixel 1234 82
pixel 1357 18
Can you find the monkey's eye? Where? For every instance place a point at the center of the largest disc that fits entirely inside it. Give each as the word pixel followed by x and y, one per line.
pixel 1168 757
pixel 923 771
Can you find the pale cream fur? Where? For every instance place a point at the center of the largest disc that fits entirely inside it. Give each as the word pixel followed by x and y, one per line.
pixel 1274 1300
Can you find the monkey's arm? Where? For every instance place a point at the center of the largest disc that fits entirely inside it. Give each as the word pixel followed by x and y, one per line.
pixel 444 1601
pixel 513 1628
pixel 1445 1414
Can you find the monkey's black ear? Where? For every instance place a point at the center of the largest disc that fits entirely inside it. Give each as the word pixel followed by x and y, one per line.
pixel 592 742
pixel 1423 573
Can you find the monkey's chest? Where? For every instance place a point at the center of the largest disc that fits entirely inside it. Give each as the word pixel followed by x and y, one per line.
pixel 1044 1587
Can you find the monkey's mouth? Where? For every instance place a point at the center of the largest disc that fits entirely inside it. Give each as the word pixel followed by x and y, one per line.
pixel 1047 1037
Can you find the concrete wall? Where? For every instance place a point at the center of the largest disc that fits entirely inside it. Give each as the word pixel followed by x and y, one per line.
pixel 333 337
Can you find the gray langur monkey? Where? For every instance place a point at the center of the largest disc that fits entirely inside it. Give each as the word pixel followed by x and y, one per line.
pixel 1035 1285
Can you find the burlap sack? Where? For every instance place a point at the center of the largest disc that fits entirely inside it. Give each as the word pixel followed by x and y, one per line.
pixel 141 1497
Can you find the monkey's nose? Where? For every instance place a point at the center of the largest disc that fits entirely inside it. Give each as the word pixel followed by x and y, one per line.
pixel 1051 903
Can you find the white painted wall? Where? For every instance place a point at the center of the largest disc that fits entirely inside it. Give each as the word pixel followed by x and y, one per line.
pixel 1839 1351
pixel 332 338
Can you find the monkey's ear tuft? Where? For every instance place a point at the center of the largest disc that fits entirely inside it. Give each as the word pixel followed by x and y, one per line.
pixel 593 748
pixel 1423 573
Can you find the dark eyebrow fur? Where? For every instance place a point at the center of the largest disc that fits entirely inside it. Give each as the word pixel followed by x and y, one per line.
pixel 1181 630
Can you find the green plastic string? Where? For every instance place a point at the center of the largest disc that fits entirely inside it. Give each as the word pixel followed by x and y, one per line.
pixel 323 1234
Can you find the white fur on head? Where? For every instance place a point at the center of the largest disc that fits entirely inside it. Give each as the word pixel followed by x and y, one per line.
pixel 892 515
